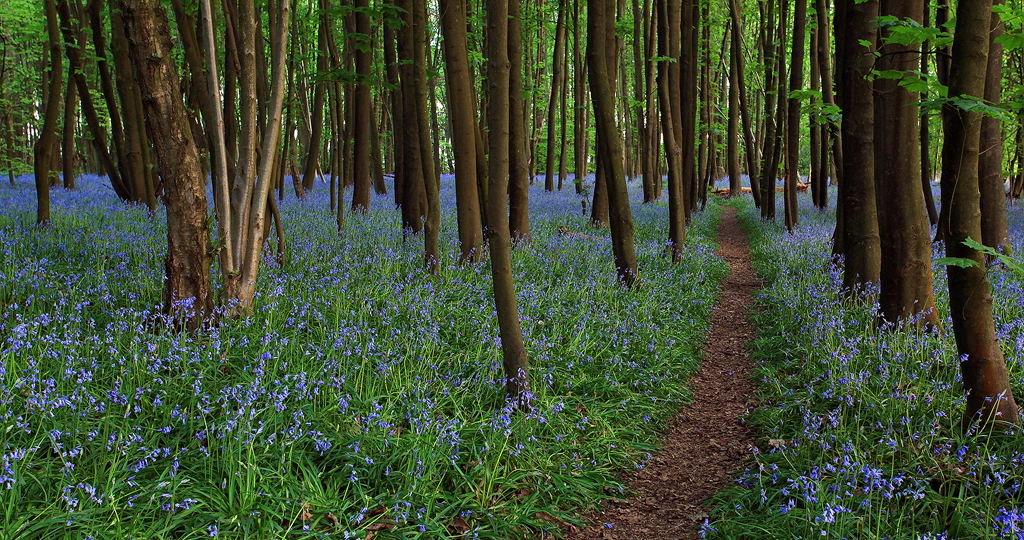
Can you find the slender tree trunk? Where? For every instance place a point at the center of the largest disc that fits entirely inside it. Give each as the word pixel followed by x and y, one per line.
pixel 397 111
pixel 556 81
pixel 994 232
pixel 904 236
pixel 463 119
pixel 514 358
pixel 620 219
pixel 796 83
pixel 187 296
pixel 860 215
pixel 749 142
pixel 989 398
pixel 732 137
pixel 828 100
pixel 668 33
pixel 815 171
pixel 579 104
pixel 317 128
pixel 519 179
pixel 925 138
pixel 363 114
pixel 43 152
pixel 67 135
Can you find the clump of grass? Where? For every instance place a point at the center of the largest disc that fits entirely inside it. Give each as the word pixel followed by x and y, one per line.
pixel 861 423
pixel 362 398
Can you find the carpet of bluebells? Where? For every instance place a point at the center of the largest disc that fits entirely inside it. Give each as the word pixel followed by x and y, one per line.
pixel 363 398
pixel 861 423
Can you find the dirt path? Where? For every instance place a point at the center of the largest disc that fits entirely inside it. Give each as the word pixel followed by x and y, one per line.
pixel 708 439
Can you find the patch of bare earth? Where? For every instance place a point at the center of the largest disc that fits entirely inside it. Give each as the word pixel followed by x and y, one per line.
pixel 708 440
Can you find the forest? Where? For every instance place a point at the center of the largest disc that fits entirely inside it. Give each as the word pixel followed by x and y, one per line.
pixel 511 269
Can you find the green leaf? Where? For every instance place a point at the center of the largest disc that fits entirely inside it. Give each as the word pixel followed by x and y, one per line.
pixel 956 261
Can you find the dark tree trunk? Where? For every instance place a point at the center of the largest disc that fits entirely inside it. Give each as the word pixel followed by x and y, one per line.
pixel 556 81
pixel 994 231
pixel 904 235
pixel 750 144
pixel 925 137
pixel 187 295
pixel 668 91
pixel 621 220
pixel 514 358
pixel 43 151
pixel 519 161
pixel 317 129
pixel 363 114
pixel 732 136
pixel 463 120
pixel 815 171
pixel 989 398
pixel 834 139
pixel 579 104
pixel 397 111
pixel 857 192
pixel 413 189
pixel 67 134
pixel 796 83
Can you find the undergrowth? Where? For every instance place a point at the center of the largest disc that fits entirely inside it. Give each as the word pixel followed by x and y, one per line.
pixel 860 424
pixel 362 398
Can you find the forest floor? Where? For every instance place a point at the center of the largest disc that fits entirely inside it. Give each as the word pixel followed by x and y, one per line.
pixel 708 440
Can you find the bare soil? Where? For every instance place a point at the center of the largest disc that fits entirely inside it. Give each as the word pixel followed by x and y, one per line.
pixel 708 440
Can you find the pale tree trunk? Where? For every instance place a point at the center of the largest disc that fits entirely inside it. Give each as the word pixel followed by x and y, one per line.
pixel 514 358
pixel 187 297
pixel 982 366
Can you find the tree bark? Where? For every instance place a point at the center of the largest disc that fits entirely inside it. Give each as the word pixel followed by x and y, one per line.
pixel 994 232
pixel 904 235
pixel 668 33
pixel 514 359
pixel 431 202
pixel 463 119
pixel 43 151
pixel 620 218
pixel 317 128
pixel 363 112
pixel 556 81
pixel 796 83
pixel 519 160
pixel 860 215
pixel 187 296
pixel 989 398
pixel 732 136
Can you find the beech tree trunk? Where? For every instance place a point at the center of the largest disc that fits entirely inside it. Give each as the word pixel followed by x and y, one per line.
pixel 989 398
pixel 363 113
pixel 519 160
pixel 556 81
pixel 319 98
pixel 994 232
pixel 43 151
pixel 857 191
pixel 187 297
pixel 620 217
pixel 463 120
pixel 796 83
pixel 514 359
pixel 904 234
pixel 732 136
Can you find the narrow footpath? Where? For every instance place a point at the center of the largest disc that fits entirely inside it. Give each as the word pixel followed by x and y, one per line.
pixel 708 440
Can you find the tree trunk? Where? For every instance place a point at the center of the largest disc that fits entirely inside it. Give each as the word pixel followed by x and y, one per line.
pixel 925 138
pixel 463 120
pixel 620 218
pixel 556 81
pixel 994 231
pixel 514 358
pixel 828 100
pixel 989 398
pixel 732 137
pixel 668 33
pixel 363 113
pixel 43 151
pixel 860 216
pixel 579 104
pixel 317 128
pixel 749 142
pixel 519 161
pixel 796 84
pixel 904 235
pixel 67 134
pixel 187 295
